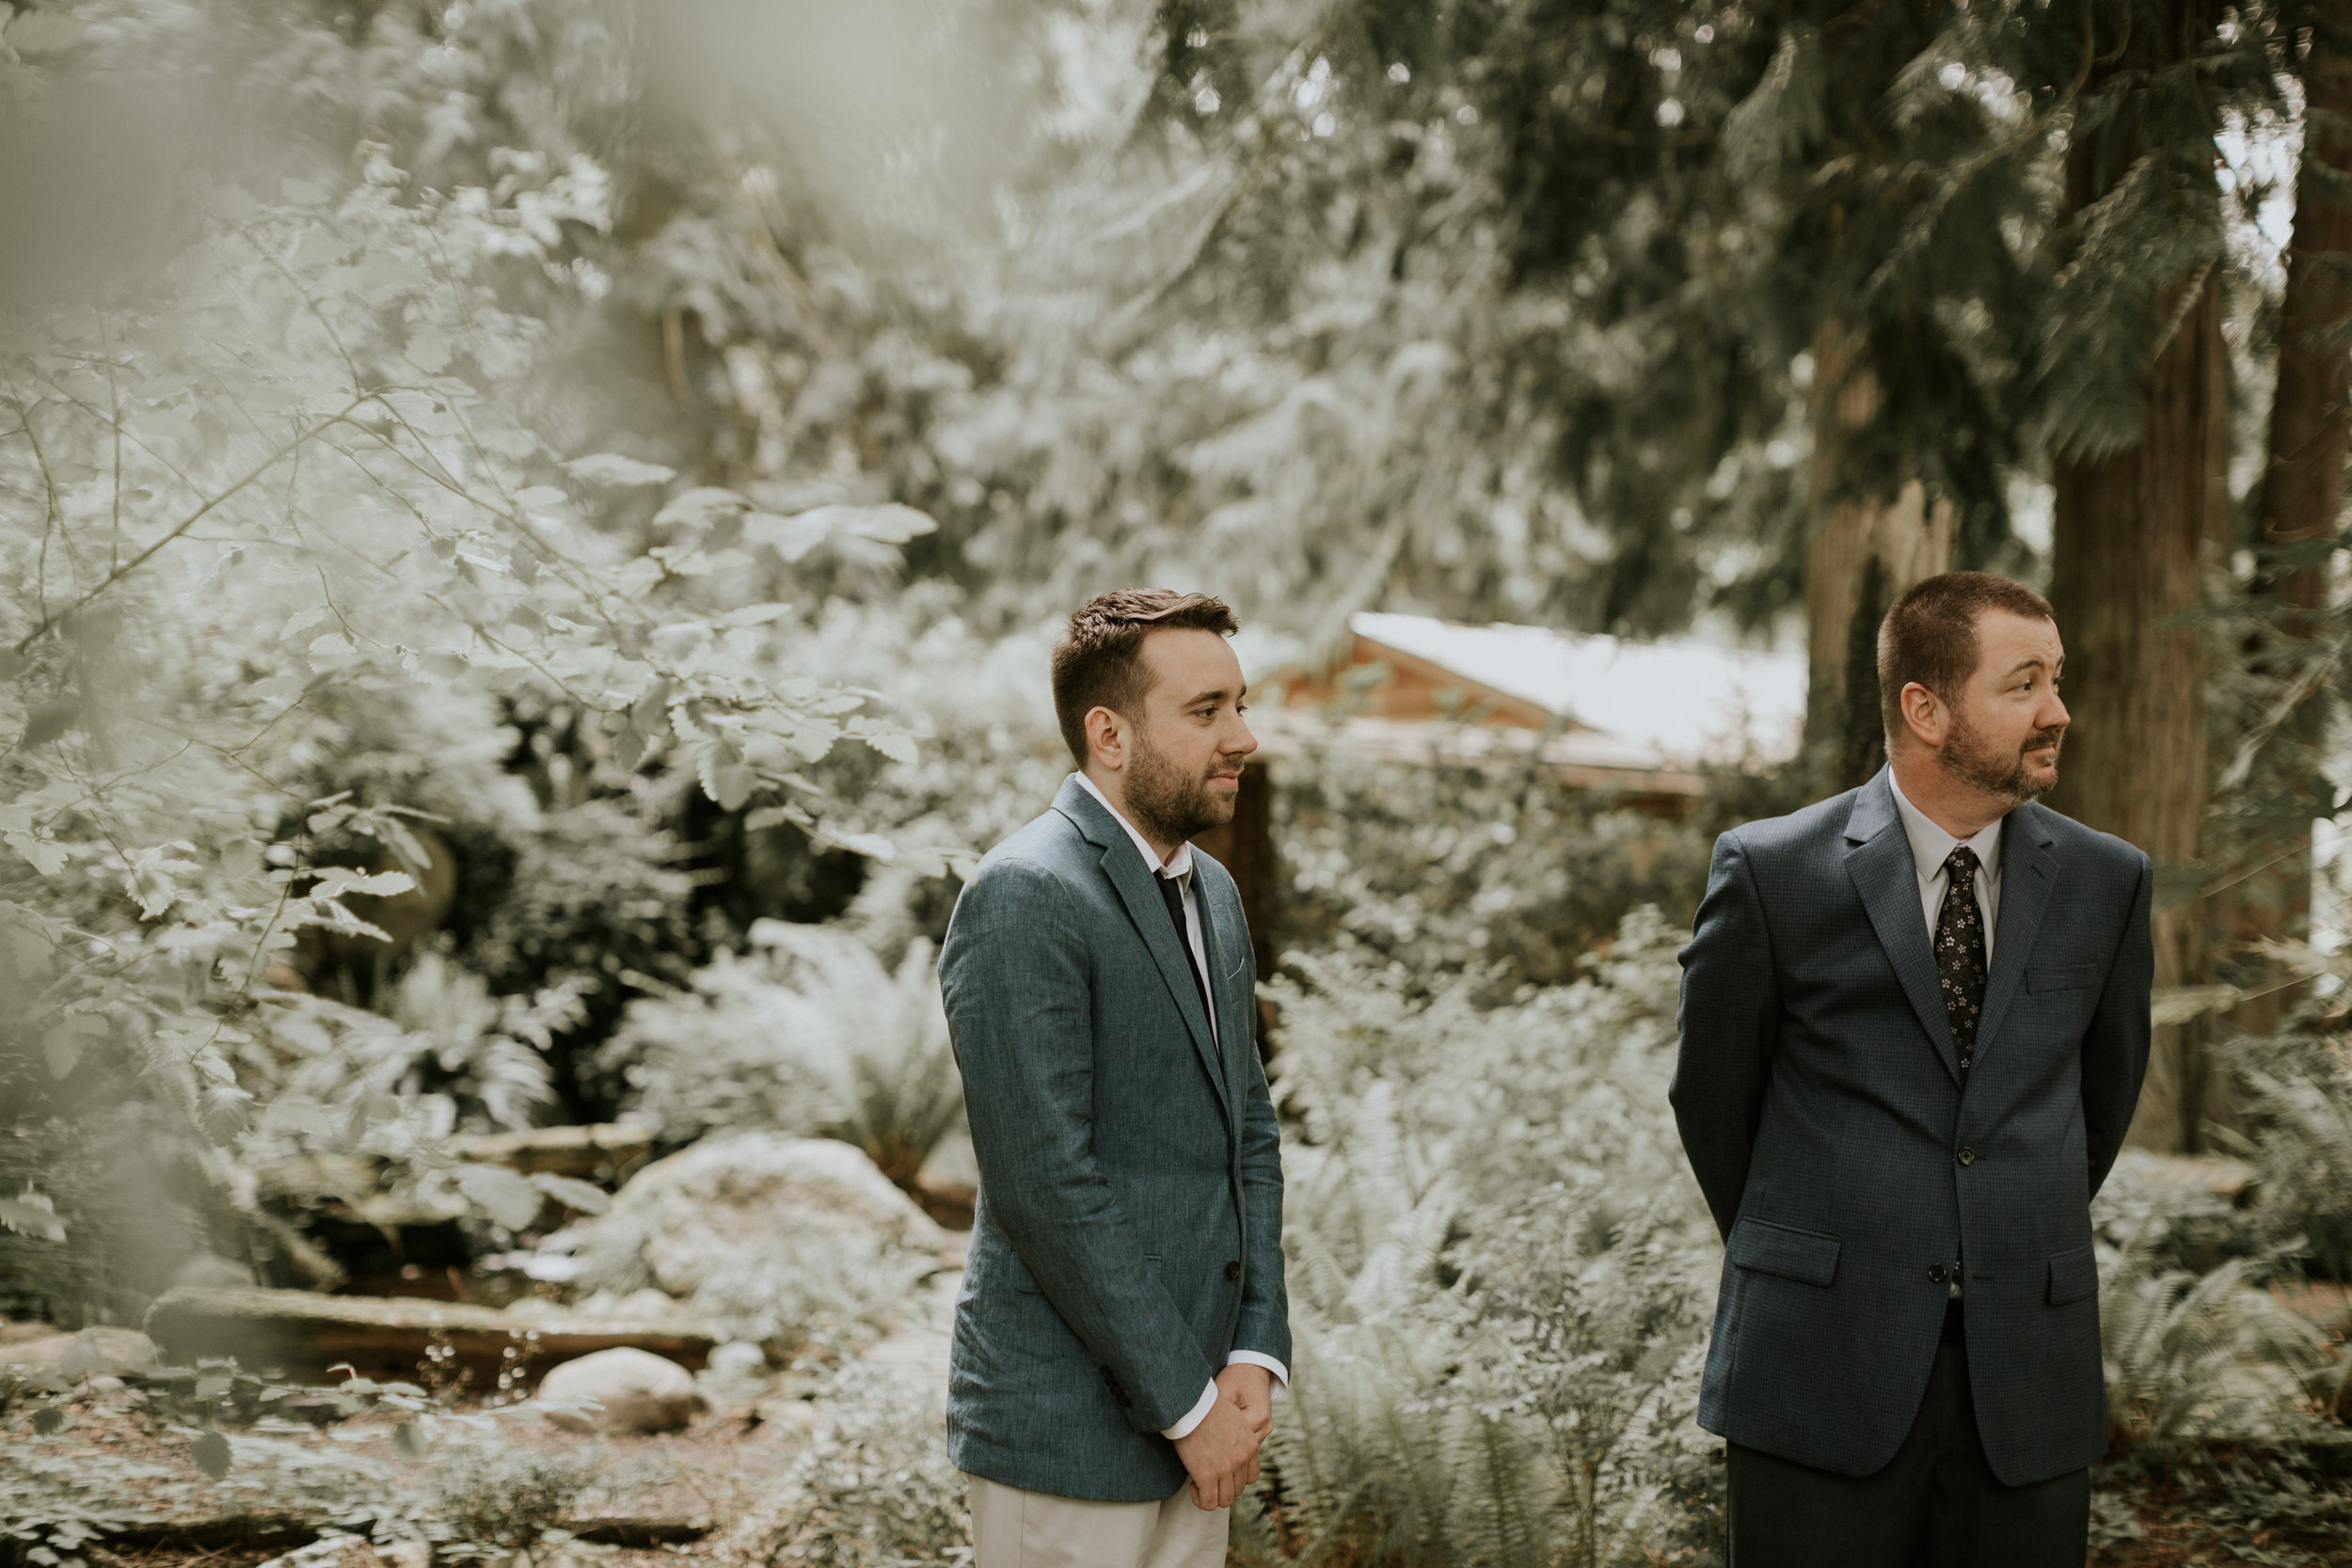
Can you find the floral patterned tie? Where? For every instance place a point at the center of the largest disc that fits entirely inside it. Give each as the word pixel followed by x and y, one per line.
pixel 1960 952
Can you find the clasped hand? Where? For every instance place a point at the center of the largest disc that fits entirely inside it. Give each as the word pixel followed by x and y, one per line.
pixel 1222 1454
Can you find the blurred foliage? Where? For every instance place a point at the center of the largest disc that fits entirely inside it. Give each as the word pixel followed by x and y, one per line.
pixel 1465 1393
pixel 1446 865
pixel 281 531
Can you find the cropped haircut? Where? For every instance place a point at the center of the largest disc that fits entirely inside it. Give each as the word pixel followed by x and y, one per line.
pixel 1930 635
pixel 1099 661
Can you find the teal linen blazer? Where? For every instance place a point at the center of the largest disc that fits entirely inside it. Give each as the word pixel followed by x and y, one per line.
pixel 1129 1234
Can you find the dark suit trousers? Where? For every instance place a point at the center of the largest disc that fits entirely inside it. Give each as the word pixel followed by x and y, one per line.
pixel 1936 1504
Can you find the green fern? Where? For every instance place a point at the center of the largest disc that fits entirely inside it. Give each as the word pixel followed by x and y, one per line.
pixel 809 1033
pixel 2192 1358
pixel 1486 1377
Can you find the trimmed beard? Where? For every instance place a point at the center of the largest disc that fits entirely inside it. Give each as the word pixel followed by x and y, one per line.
pixel 1169 803
pixel 1968 757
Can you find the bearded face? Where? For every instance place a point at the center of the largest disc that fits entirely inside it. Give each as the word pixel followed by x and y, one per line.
pixel 2011 772
pixel 1171 801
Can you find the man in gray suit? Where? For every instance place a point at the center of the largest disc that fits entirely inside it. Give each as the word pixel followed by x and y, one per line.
pixel 1122 1321
pixel 1914 1018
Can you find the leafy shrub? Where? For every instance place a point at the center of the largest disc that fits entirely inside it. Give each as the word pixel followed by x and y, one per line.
pixel 442 1036
pixel 490 1498
pixel 873 1488
pixel 595 906
pixel 1450 866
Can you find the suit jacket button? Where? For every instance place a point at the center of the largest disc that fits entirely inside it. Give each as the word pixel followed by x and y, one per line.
pixel 1232 1270
pixel 1936 1272
pixel 1967 1155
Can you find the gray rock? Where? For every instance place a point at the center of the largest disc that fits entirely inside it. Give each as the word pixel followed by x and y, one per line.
pixel 632 1390
pixel 739 1359
pixel 728 1196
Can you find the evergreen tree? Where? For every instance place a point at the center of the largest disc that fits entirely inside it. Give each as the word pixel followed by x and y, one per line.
pixel 2136 397
pixel 2296 514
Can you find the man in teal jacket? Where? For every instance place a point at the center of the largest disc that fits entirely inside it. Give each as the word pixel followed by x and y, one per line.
pixel 1122 1321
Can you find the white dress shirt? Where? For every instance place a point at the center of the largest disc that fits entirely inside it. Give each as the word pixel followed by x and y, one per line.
pixel 1178 869
pixel 1930 847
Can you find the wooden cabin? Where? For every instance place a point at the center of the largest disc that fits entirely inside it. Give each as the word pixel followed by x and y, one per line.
pixel 1639 719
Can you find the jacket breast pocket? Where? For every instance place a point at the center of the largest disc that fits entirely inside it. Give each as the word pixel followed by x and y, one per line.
pixel 2074 1276
pixel 1808 1256
pixel 2062 976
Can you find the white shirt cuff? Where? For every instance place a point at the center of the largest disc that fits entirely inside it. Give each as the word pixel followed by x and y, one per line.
pixel 1252 1358
pixel 1199 1412
pixel 1193 1418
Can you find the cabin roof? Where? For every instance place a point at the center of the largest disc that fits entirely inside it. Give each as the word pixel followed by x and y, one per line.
pixel 1682 700
pixel 1599 710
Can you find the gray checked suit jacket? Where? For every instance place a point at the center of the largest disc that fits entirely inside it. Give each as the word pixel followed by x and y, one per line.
pixel 1130 1226
pixel 1821 1105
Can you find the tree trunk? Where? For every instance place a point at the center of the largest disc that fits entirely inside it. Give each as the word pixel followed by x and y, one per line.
pixel 2132 536
pixel 2303 484
pixel 2302 488
pixel 1865 553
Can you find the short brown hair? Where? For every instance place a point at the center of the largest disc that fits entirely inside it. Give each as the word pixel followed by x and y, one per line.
pixel 1930 635
pixel 1098 663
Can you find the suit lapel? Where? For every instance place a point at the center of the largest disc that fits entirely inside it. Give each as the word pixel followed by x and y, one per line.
pixel 1123 864
pixel 1216 936
pixel 1236 1009
pixel 1877 859
pixel 2028 872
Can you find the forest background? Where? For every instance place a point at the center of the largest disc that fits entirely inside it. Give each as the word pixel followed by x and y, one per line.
pixel 514 512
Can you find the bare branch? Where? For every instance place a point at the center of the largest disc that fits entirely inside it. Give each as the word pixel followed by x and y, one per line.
pixel 187 523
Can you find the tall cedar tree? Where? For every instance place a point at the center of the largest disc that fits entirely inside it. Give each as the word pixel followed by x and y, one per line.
pixel 2297 508
pixel 2136 381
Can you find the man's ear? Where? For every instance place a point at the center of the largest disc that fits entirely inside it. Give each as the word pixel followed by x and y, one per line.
pixel 1924 715
pixel 1106 737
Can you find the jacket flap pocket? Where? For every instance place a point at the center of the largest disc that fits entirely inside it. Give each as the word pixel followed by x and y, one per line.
pixel 1807 1256
pixel 2074 1276
pixel 2061 977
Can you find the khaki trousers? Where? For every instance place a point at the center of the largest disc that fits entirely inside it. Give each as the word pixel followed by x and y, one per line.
pixel 1012 1528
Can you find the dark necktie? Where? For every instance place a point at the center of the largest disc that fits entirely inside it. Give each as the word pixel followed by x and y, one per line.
pixel 1960 952
pixel 1174 899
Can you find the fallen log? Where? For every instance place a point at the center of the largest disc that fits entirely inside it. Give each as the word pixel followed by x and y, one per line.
pixel 640 1534
pixel 215 1531
pixel 609 1153
pixel 279 1528
pixel 299 1333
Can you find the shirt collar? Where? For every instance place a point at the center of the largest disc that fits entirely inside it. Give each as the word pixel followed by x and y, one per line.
pixel 1176 867
pixel 1930 845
